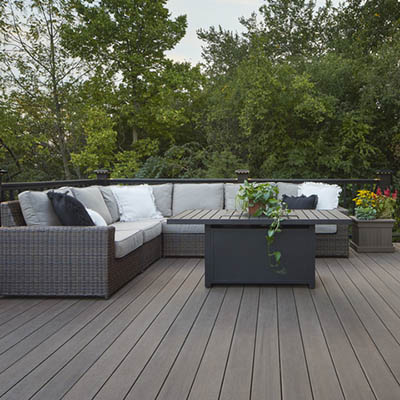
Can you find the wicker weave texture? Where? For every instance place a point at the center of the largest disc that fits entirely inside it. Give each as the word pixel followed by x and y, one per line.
pixel 54 261
pixel 122 270
pixel 11 214
pixel 183 245
pixel 67 261
pixel 333 245
pixel 192 245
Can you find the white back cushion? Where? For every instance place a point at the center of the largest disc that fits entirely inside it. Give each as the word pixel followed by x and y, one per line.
pixel 188 196
pixel 135 202
pixel 328 195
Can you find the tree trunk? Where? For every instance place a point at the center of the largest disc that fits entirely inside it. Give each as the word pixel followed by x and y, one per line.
pixel 135 135
pixel 56 101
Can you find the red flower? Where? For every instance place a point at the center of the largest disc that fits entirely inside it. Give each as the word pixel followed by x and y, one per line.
pixel 394 195
pixel 379 191
pixel 387 192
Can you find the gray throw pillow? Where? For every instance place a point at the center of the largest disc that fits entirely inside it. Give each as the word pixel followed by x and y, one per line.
pixel 163 198
pixel 231 190
pixel 290 189
pixel 92 198
pixel 37 209
pixel 111 202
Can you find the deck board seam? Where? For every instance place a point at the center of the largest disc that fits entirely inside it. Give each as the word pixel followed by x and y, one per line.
pixel 186 338
pixel 150 324
pixel 327 345
pixel 185 341
pixel 169 328
pixel 365 328
pixel 372 270
pixel 369 303
pixel 2 312
pixel 206 346
pixel 279 344
pixel 384 268
pixel 231 342
pixel 121 293
pixel 45 339
pixel 302 344
pixel 346 334
pixel 31 319
pixel 255 342
pixel 128 288
pixel 370 284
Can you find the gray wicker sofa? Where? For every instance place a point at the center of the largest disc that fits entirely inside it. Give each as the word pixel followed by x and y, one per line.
pixel 39 260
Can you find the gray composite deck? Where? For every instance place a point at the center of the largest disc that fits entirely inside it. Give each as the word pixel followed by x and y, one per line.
pixel 165 336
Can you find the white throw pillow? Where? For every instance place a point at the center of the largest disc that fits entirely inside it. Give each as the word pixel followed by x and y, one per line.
pixel 328 195
pixel 135 202
pixel 97 219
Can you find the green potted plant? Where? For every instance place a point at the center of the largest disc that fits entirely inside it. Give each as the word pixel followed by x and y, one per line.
pixel 372 221
pixel 261 199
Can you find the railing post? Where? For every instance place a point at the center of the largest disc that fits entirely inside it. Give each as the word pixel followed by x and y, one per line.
pixel 242 175
pixel 102 176
pixel 385 177
pixel 2 172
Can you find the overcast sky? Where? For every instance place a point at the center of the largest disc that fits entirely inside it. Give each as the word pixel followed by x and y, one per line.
pixel 206 13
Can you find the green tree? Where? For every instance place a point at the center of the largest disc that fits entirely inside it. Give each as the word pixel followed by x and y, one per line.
pixel 40 75
pixel 101 143
pixel 125 42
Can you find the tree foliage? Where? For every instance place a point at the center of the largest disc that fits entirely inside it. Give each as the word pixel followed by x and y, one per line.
pixel 308 92
pixel 125 42
pixel 40 76
pixel 302 92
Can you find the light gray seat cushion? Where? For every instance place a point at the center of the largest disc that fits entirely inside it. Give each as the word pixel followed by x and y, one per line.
pixel 37 209
pixel 127 241
pixel 188 196
pixel 290 189
pixel 92 198
pixel 325 229
pixel 182 228
pixel 110 201
pixel 151 228
pixel 163 198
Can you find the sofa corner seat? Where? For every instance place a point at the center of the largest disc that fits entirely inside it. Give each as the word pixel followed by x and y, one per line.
pixel 65 261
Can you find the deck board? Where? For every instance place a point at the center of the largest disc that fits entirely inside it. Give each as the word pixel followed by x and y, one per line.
pixel 238 372
pixel 165 336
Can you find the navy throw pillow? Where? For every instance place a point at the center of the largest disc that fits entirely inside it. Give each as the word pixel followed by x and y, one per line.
pixel 301 202
pixel 69 210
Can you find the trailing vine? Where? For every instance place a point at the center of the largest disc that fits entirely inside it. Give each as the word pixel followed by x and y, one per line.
pixel 262 200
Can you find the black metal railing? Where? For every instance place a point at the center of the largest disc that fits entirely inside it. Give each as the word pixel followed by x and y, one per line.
pixel 9 191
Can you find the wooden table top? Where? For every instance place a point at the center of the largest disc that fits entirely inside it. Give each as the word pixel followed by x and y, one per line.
pixel 234 217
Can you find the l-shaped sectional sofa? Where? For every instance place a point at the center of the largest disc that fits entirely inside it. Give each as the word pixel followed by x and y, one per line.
pixel 39 257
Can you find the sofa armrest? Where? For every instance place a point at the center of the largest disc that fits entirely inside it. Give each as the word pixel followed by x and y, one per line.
pixel 11 214
pixel 55 260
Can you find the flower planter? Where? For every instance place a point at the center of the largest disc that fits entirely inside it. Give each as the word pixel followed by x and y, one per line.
pixel 372 236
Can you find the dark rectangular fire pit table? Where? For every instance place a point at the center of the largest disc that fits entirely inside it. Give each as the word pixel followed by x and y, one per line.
pixel 236 247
